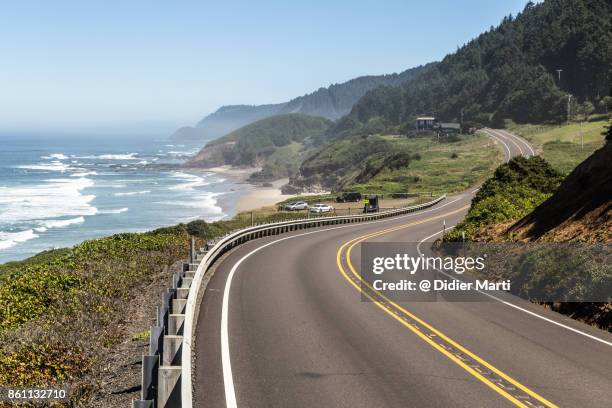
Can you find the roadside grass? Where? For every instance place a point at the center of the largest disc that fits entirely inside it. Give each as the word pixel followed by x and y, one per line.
pixel 58 309
pixel 560 145
pixel 439 167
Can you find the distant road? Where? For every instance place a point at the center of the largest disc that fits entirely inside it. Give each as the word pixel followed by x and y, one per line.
pixel 282 324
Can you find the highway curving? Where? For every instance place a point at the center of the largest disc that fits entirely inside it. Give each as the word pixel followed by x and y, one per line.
pixel 282 324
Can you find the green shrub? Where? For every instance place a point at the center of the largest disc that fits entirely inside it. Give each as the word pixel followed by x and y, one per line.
pixel 516 189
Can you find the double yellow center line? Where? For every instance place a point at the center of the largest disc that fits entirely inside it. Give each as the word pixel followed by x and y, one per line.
pixel 485 372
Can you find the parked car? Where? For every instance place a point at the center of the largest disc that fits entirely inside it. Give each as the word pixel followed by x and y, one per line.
pixel 321 208
pixel 351 197
pixel 296 206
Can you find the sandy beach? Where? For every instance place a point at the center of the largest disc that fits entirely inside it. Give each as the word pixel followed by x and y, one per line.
pixel 257 196
pixel 263 196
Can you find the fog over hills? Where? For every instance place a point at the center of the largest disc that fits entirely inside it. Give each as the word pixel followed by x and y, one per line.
pixel 332 103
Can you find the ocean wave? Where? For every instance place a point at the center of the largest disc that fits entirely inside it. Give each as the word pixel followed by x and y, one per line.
pixel 58 156
pixel 55 165
pixel 85 174
pixel 127 156
pixel 191 181
pixel 206 202
pixel 113 211
pixel 131 193
pixel 62 223
pixel 52 199
pixel 189 152
pixel 10 239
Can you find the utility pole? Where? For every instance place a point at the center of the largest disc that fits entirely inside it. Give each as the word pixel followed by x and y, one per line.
pixel 559 74
pixel 569 98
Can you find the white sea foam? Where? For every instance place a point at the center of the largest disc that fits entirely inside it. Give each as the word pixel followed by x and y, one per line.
pixel 113 211
pixel 55 198
pixel 207 202
pixel 131 193
pixel 62 223
pixel 55 165
pixel 10 239
pixel 85 174
pixel 189 152
pixel 58 156
pixel 127 156
pixel 191 181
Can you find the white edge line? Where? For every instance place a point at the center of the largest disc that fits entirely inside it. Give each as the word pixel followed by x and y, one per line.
pixel 226 363
pixel 501 135
pixel 186 363
pixel 509 156
pixel 520 139
pixel 513 305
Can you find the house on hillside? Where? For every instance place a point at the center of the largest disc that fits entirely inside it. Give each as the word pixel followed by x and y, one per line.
pixel 425 123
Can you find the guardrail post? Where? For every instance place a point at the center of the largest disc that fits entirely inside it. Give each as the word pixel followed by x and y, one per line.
pixel 175 324
pixel 150 365
pixel 166 300
pixel 172 350
pixel 178 306
pixel 156 335
pixel 185 283
pixel 169 387
pixel 182 293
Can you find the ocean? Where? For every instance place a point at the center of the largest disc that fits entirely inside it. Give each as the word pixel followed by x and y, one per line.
pixel 56 192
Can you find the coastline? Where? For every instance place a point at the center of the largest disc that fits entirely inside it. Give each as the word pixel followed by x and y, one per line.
pixel 261 196
pixel 254 196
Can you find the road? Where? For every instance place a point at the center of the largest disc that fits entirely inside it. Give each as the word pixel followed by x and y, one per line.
pixel 283 324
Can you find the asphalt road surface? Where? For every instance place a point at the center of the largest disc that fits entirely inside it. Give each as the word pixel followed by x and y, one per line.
pixel 283 324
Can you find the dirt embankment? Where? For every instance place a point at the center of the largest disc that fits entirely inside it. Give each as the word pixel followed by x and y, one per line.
pixel 580 210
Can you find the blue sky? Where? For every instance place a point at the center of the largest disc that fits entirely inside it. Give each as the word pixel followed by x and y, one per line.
pixel 156 65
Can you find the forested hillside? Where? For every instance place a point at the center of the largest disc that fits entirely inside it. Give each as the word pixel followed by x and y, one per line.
pixel 276 144
pixel 331 103
pixel 507 72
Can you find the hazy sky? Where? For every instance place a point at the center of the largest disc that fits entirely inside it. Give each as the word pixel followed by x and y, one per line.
pixel 160 64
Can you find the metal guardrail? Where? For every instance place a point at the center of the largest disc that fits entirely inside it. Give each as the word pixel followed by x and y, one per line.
pixel 167 369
